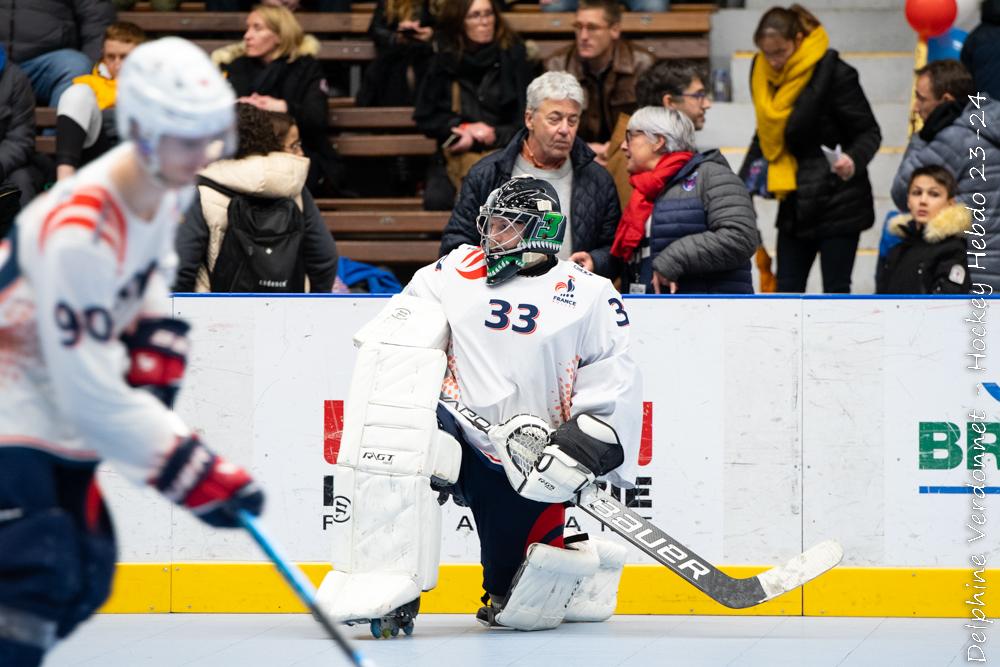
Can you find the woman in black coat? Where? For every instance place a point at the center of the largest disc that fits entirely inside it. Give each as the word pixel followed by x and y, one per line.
pixel 488 62
pixel 402 31
pixel 276 71
pixel 807 98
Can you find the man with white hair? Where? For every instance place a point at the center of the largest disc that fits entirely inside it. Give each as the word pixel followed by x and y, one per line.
pixel 549 149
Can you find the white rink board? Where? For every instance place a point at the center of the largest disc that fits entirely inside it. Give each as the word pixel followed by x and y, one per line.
pixel 776 423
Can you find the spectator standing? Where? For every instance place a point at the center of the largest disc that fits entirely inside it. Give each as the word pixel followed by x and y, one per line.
pixel 805 98
pixel 550 150
pixel 472 98
pixel 275 69
pixel 54 41
pixel 263 169
pixel 931 256
pixel 17 134
pixel 689 226
pixel 607 67
pixel 981 51
pixel 963 135
pixel 85 118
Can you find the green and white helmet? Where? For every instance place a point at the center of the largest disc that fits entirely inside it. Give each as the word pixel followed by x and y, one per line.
pixel 520 217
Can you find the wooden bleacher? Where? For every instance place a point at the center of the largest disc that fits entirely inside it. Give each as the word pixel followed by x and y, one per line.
pixel 394 237
pixel 678 34
pixel 393 230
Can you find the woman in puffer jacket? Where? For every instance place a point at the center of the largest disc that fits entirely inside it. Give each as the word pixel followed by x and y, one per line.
pixel 931 258
pixel 689 226
pixel 261 168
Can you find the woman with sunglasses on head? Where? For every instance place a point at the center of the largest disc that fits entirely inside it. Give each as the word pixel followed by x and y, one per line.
pixel 817 134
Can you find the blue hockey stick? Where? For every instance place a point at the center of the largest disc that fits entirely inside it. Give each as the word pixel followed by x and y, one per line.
pixel 302 587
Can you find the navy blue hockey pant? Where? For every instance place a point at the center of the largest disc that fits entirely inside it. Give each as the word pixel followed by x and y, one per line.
pixel 506 522
pixel 57 551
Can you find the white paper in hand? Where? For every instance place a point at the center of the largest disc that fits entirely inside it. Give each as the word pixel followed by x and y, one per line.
pixel 832 154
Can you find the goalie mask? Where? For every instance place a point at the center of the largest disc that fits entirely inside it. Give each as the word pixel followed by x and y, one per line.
pixel 520 221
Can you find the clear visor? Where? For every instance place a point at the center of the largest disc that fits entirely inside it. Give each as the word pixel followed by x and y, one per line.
pixel 211 147
pixel 501 230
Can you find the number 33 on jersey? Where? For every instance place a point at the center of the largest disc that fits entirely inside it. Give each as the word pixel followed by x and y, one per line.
pixel 552 345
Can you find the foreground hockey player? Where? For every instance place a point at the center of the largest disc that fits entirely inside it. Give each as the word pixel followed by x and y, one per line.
pixel 90 358
pixel 519 337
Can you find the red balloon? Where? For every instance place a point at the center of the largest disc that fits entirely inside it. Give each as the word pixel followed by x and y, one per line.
pixel 930 18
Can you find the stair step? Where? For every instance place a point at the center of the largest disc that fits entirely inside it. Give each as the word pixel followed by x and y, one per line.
pixel 850 30
pixel 732 124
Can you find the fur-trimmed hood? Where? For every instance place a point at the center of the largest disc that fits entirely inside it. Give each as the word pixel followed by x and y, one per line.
pixel 951 221
pixel 227 54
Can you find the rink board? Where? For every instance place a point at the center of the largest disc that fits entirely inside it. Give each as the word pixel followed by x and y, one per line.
pixel 771 424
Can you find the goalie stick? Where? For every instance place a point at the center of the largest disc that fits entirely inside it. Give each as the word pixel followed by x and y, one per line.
pixel 733 592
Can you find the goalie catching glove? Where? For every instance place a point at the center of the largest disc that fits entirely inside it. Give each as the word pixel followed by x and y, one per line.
pixel 211 487
pixel 553 466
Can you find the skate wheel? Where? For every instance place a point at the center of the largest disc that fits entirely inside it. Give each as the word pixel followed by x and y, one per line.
pixel 395 631
pixel 408 629
pixel 376 628
pixel 385 633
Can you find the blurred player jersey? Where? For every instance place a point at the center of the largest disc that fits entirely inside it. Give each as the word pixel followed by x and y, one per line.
pixel 77 269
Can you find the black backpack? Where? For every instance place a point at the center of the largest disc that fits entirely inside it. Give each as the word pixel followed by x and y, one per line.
pixel 261 249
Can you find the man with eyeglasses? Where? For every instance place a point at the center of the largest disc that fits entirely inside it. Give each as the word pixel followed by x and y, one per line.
pixel 672 84
pixel 676 84
pixel 607 68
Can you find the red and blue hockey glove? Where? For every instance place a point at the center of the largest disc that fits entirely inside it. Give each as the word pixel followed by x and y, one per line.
pixel 208 485
pixel 157 350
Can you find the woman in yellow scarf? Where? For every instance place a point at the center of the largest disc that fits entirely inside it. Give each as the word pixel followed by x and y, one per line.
pixel 807 99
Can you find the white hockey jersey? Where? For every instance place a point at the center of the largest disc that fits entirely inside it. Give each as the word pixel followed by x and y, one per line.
pixel 77 269
pixel 553 345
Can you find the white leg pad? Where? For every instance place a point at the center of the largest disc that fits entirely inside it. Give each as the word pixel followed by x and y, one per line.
pixel 544 586
pixel 388 549
pixel 394 533
pixel 407 320
pixel 597 596
pixel 360 596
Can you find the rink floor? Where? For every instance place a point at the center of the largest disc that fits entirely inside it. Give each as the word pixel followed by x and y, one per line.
pixel 277 640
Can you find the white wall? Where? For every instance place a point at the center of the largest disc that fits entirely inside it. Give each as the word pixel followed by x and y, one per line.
pixel 777 423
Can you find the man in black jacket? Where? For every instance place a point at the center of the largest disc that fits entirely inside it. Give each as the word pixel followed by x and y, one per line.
pixel 549 149
pixel 54 41
pixel 17 132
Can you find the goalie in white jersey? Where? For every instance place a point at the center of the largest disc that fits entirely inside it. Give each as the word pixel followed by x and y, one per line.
pixel 90 358
pixel 523 334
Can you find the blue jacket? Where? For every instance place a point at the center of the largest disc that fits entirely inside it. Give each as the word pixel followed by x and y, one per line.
pixel 703 231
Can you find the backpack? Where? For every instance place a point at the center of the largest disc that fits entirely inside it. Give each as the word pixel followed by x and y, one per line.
pixel 261 249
